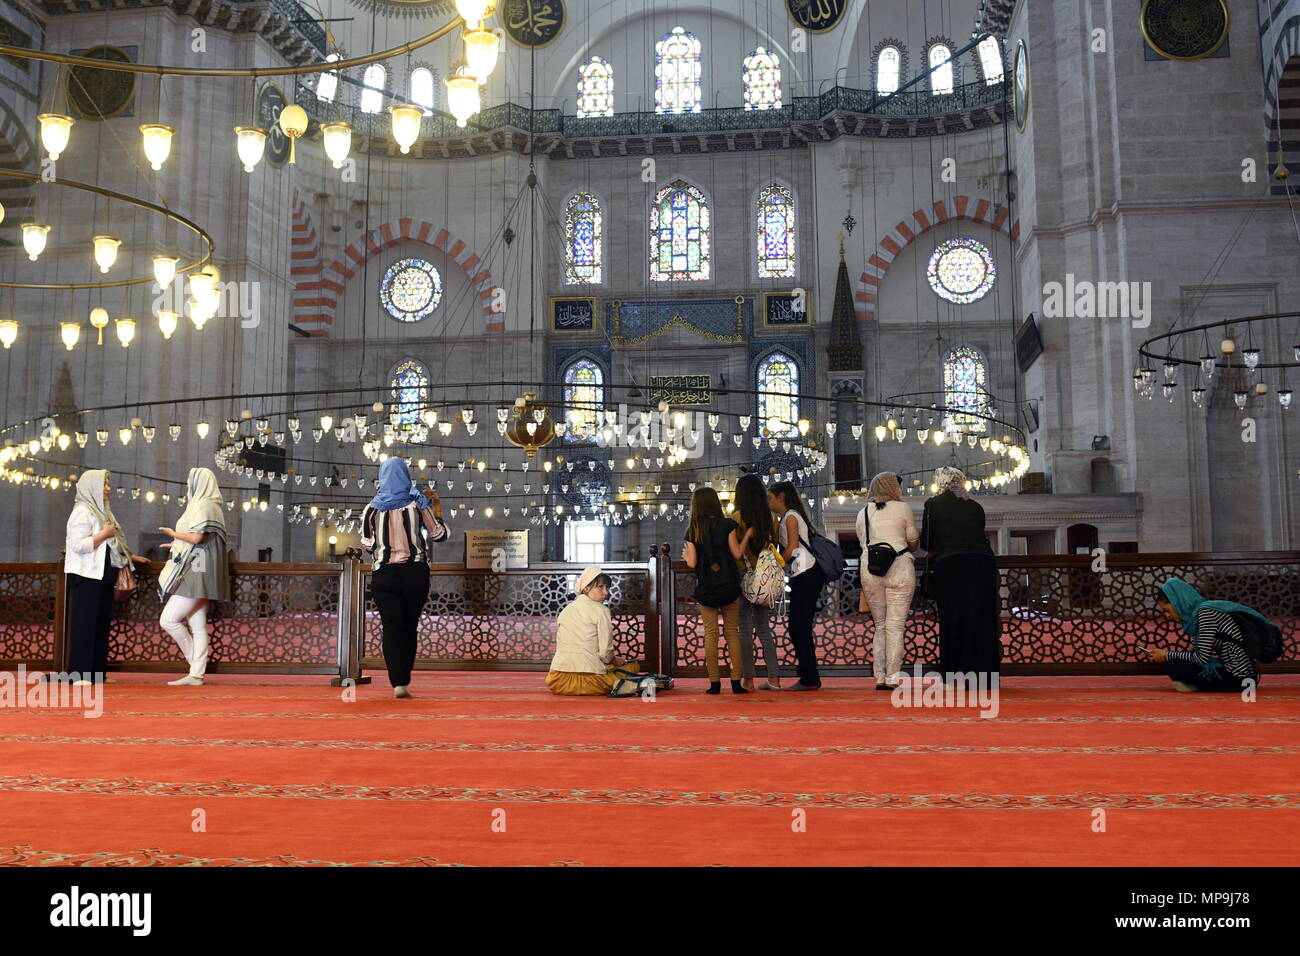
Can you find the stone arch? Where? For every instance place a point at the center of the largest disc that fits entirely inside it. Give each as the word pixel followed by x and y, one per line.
pixel 1282 103
pixel 17 151
pixel 982 211
pixel 304 268
pixel 335 277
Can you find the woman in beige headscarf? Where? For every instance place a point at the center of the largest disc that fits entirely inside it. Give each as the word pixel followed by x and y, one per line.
pixel 95 551
pixel 197 572
pixel 887 520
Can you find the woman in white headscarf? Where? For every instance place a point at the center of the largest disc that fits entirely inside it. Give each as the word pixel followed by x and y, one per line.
pixel 196 573
pixel 95 551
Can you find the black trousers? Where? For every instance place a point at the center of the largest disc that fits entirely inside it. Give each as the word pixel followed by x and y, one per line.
pixel 400 591
pixel 804 591
pixel 91 605
pixel 1187 672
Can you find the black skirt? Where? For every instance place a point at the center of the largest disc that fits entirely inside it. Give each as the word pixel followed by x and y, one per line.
pixel 966 592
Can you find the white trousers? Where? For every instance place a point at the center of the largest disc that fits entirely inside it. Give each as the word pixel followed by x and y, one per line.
pixel 890 598
pixel 186 620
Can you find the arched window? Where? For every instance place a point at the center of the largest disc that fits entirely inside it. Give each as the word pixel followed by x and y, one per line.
pixel 422 87
pixel 965 387
pixel 584 397
pixel 889 69
pixel 582 227
pixel 677 73
pixel 410 390
pixel 776 231
pixel 328 84
pixel 990 52
pixel 596 88
pixel 679 233
pixel 777 384
pixel 372 93
pixel 762 81
pixel 941 72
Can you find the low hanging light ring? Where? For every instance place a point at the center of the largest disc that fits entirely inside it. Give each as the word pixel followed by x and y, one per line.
pixel 120 197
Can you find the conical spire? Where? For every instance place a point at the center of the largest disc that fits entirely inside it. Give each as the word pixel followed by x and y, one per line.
pixel 845 349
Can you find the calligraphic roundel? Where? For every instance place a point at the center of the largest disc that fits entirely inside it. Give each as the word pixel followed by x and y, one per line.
pixel 533 23
pixel 817 16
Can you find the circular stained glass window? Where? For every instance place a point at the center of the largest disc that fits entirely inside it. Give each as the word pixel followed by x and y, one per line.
pixel 962 270
pixel 410 289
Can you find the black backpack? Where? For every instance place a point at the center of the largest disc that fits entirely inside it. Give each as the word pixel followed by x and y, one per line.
pixel 717 578
pixel 1261 639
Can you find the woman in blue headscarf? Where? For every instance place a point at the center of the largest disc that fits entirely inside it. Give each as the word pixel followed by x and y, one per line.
pixel 393 529
pixel 1217 660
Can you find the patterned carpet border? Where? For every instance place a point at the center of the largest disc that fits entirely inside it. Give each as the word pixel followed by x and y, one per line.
pixel 514 746
pixel 853 800
pixel 642 712
pixel 26 855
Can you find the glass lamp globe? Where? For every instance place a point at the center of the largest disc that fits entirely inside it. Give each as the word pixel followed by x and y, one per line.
pixel 250 144
pixel 157 139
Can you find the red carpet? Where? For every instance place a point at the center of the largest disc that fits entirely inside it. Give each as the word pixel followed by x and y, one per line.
pixel 286 772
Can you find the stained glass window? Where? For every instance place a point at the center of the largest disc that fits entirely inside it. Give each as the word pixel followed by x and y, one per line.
pixel 990 52
pixel 410 289
pixel 410 389
pixel 941 72
pixel 679 233
pixel 889 69
pixel 775 232
pixel 962 270
pixel 778 398
pixel 582 224
pixel 328 84
pixel 422 87
pixel 596 88
pixel 965 387
pixel 584 394
pixel 372 88
pixel 762 81
pixel 677 73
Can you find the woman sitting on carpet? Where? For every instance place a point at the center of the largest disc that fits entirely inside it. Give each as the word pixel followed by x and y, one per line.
pixel 1217 661
pixel 584 660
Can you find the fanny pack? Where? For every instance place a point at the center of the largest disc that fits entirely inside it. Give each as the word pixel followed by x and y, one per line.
pixel 880 558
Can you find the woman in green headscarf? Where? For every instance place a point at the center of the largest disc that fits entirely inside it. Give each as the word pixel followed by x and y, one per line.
pixel 1217 661
pixel 94 552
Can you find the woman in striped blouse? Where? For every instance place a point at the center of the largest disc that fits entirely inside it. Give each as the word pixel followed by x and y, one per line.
pixel 1217 660
pixel 393 529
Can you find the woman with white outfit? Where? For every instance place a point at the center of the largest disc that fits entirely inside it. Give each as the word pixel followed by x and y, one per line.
pixel 197 572
pixel 95 551
pixel 888 520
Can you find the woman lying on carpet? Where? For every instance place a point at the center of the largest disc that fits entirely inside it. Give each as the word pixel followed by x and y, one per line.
pixel 584 660
pixel 1217 661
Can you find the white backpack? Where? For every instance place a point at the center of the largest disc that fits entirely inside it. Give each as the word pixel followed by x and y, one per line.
pixel 765 581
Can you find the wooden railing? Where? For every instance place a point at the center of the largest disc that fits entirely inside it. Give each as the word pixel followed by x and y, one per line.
pixel 1060 614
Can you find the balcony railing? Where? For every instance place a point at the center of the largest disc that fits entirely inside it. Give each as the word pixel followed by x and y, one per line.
pixel 799 112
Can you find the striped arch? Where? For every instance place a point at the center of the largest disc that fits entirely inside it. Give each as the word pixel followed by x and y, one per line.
pixel 17 151
pixel 335 277
pixel 1282 103
pixel 982 211
pixel 304 254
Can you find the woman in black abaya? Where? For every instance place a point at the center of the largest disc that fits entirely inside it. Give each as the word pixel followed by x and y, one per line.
pixel 965 578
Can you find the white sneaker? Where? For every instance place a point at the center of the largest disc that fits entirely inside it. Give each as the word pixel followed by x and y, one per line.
pixel 80 683
pixel 186 681
pixel 1184 688
pixel 401 691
